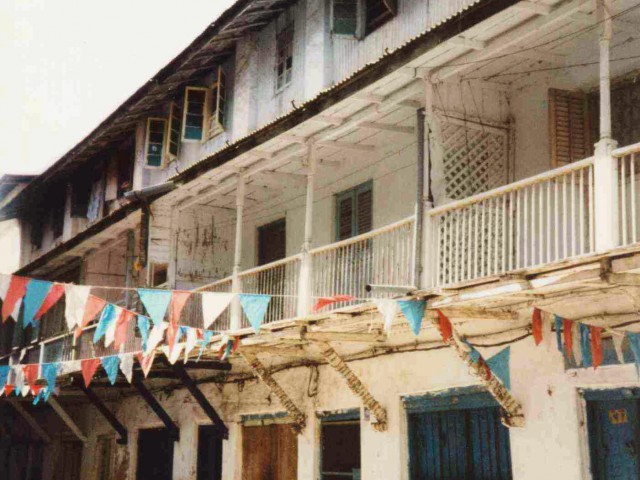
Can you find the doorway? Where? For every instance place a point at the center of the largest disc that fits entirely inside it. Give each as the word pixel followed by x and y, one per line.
pixel 155 454
pixel 209 453
pixel 269 452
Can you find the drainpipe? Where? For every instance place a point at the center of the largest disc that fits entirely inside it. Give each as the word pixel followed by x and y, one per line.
pixel 236 287
pixel 417 254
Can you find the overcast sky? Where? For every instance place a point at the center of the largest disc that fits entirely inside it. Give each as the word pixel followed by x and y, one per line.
pixel 67 64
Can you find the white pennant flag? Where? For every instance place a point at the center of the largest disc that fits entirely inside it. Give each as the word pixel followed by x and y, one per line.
pixel 175 353
pixel 5 281
pixel 110 334
pixel 126 365
pixel 213 304
pixel 70 366
pixel 76 297
pixel 388 308
pixel 577 343
pixel 156 336
pixel 617 344
pixel 190 343
pixel 16 310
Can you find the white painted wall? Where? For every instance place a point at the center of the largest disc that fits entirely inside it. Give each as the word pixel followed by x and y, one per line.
pixel 10 245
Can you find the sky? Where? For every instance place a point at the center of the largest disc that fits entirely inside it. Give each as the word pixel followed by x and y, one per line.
pixel 67 64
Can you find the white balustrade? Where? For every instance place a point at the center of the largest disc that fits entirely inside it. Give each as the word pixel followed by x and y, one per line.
pixel 628 162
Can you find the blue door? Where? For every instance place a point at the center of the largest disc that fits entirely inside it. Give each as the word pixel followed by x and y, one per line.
pixel 457 436
pixel 614 434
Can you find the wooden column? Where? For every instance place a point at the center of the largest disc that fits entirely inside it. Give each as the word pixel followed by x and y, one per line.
pixel 304 287
pixel 299 418
pixel 355 385
pixel 236 286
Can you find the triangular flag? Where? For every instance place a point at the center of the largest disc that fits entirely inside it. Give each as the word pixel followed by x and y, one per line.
pixel 446 329
pixel 31 373
pixel 178 301
pixel 577 344
pixel 146 361
pixel 110 333
pixel 634 343
pixel 39 394
pixel 206 338
pixel 173 352
pixel 4 375
pixel 5 281
pixel 55 294
pixel 109 315
pixel 50 373
pixel 413 310
pixel 16 291
pixel 19 378
pixel 617 345
pixel 229 346
pixel 156 336
pixel 213 304
pixel 567 333
pixel 126 365
pixel 155 302
pixel 89 368
pixel 122 328
pixel 324 301
pixel 93 307
pixel 143 327
pixel 585 345
pixel 558 326
pixel 9 389
pixel 37 291
pixel 596 345
pixel 388 308
pixel 110 365
pixel 474 354
pixel 499 365
pixel 255 308
pixel 76 297
pixel 536 325
pixel 190 343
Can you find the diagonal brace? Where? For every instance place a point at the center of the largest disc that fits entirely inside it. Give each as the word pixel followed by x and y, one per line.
pixel 355 385
pixel 188 382
pixel 107 414
pixel 299 418
pixel 148 397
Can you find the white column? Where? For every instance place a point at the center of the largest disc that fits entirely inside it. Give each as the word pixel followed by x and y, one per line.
pixel 304 287
pixel 606 167
pixel 429 253
pixel 236 286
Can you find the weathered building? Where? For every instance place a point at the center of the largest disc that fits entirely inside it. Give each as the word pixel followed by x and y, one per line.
pixel 477 155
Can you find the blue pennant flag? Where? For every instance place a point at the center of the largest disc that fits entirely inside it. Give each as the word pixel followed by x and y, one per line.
pixel 558 325
pixel 37 291
pixel 143 326
pixel 473 353
pixel 585 345
pixel 50 373
pixel 499 365
pixel 155 302
pixel 413 310
pixel 42 395
pixel 255 308
pixel 634 343
pixel 110 365
pixel 4 376
pixel 206 338
pixel 106 318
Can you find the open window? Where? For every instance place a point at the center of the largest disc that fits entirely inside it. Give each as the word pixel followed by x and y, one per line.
pixel 156 141
pixel 284 52
pixel 340 446
pixel 217 120
pixel 175 131
pixel 194 121
pixel 361 17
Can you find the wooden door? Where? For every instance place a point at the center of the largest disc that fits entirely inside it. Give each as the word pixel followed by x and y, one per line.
pixel 69 461
pixel 269 452
pixel 155 454
pixel 209 453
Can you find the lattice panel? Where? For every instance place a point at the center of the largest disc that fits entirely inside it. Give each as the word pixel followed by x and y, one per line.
pixel 475 160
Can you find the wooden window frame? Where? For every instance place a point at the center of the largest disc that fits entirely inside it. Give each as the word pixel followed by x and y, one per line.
pixel 349 417
pixel 288 34
pixel 172 114
pixel 362 29
pixel 218 116
pixel 205 114
pixel 163 161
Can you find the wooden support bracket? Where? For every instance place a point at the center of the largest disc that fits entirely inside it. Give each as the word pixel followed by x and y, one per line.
pixel 67 419
pixel 30 420
pixel 148 397
pixel 355 384
pixel 107 414
pixel 299 418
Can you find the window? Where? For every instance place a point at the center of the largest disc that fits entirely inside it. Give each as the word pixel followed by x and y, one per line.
pixel 340 447
pixel 159 274
pixel 361 17
pixel 195 112
pixel 156 138
pixel 217 121
pixel 175 131
pixel 58 203
pixel 36 232
pixel 354 211
pixel 284 61
pixel 569 123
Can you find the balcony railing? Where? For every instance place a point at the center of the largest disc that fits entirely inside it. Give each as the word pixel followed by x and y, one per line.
pixel 628 162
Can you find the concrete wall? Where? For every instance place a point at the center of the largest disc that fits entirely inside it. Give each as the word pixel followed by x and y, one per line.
pixel 10 244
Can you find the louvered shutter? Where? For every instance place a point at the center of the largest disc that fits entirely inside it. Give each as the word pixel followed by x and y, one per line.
pixel 345 217
pixel 570 130
pixel 364 208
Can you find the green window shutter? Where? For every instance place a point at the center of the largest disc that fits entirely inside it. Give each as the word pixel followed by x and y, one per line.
pixel 354 211
pixel 156 134
pixel 345 17
pixel 175 130
pixel 195 109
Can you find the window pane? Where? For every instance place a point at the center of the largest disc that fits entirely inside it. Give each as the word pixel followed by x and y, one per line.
pixel 345 16
pixel 192 133
pixel 154 160
pixel 340 450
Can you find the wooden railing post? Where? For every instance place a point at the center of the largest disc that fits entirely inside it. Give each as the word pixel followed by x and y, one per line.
pixel 306 267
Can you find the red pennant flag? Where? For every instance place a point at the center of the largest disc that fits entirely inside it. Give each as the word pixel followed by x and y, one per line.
pixel 17 290
pixel 178 301
pixel 567 333
pixel 596 345
pixel 199 334
pixel 31 373
pixel 536 325
pixel 35 390
pixel 446 330
pixel 8 389
pixel 89 368
pixel 94 306
pixel 55 294
pixel 146 362
pixel 122 325
pixel 324 301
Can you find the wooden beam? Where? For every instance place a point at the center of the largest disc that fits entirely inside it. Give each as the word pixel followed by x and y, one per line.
pixel 148 397
pixel 540 55
pixel 346 146
pixel 537 8
pixel 355 385
pixel 464 42
pixel 106 413
pixel 476 313
pixel 30 420
pixel 388 128
pixel 320 336
pixel 299 418
pixel 281 179
pixel 67 419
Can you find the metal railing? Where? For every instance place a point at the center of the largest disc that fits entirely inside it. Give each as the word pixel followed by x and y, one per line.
pixel 542 219
pixel 628 176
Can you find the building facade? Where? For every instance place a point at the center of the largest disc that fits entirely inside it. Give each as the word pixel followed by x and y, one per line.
pixel 340 156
